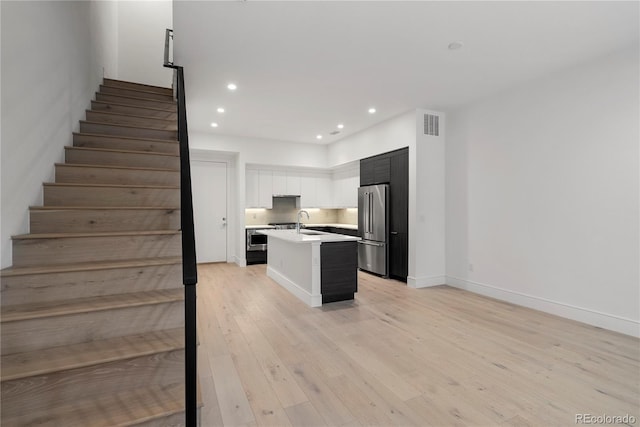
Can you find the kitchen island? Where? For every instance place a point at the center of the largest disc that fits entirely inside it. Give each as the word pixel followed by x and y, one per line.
pixel 316 267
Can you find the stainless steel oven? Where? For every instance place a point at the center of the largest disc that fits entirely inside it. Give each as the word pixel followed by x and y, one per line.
pixel 256 242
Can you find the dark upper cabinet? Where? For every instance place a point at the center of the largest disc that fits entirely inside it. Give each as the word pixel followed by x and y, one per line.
pixel 393 168
pixel 399 192
pixel 375 170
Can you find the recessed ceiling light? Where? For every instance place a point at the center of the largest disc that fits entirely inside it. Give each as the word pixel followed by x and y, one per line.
pixel 372 110
pixel 455 45
pixel 340 126
pixel 318 136
pixel 214 125
pixel 232 86
pixel 220 110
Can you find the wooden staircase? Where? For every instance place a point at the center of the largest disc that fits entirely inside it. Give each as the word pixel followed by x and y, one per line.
pixel 92 310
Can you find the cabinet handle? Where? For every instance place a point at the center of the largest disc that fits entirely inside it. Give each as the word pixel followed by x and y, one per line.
pixel 394 232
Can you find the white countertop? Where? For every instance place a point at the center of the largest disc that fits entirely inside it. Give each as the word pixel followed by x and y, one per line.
pixel 305 236
pixel 347 226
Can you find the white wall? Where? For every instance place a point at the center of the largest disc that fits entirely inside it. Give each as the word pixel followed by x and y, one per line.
pixel 426 205
pixel 104 27
pixel 543 194
pixel 50 69
pixel 141 32
pixel 397 132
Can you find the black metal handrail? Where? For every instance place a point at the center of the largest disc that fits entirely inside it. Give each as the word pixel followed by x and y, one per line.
pixel 189 268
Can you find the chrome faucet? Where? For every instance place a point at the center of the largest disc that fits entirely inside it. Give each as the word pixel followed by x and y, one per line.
pixel 300 212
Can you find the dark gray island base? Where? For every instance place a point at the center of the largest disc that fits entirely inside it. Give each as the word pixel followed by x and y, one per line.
pixel 315 266
pixel 338 271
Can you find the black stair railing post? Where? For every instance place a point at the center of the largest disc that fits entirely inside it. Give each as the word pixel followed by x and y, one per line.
pixel 189 268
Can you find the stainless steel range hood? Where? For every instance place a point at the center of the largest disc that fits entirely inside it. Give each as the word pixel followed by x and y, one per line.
pixel 286 195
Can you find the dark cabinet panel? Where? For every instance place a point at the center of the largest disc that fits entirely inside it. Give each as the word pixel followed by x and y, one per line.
pixel 382 170
pixel 399 215
pixel 375 170
pixel 399 193
pixel 339 271
pixel 399 256
pixel 366 172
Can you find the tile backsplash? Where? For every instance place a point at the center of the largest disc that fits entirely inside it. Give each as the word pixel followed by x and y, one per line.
pixel 285 210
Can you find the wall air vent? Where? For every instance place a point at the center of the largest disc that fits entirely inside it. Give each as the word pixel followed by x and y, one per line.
pixel 431 124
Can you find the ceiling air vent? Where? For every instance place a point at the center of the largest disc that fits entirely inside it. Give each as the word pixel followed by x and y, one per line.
pixel 431 124
pixel 335 132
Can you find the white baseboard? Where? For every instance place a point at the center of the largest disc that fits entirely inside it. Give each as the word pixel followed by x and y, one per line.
pixel 591 317
pixel 242 262
pixel 300 293
pixel 425 282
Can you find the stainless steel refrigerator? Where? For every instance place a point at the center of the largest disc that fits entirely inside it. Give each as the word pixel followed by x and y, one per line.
pixel 373 226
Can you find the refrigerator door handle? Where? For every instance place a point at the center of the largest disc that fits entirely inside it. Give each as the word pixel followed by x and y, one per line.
pixel 364 242
pixel 370 212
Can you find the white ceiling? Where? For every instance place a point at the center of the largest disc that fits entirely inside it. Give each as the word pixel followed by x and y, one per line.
pixel 303 67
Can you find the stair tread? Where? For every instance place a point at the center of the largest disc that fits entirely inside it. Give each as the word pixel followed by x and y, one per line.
pixel 33 236
pixel 88 266
pixel 127 105
pixel 111 150
pixel 173 103
pixel 72 184
pixel 40 310
pixel 93 122
pixel 101 135
pixel 134 83
pixel 112 113
pixel 84 165
pixel 126 408
pixel 135 91
pixel 40 362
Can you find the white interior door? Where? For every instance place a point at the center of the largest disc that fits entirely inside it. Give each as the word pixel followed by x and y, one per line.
pixel 209 183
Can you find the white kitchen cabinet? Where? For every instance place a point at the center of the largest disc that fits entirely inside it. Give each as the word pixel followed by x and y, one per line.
pixel 252 195
pixel 308 191
pixel 279 182
pixel 324 190
pixel 351 192
pixel 293 184
pixel 345 189
pixel 265 193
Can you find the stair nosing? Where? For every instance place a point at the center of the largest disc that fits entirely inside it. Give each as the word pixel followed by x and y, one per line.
pixel 173 103
pixel 141 107
pixel 111 113
pixel 135 83
pixel 104 135
pixel 36 236
pixel 132 90
pixel 86 165
pixel 112 150
pixel 71 184
pixel 88 266
pixel 55 365
pixel 90 304
pixel 62 208
pixel 91 122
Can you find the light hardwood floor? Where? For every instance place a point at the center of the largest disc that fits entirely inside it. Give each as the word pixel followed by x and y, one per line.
pixel 400 357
